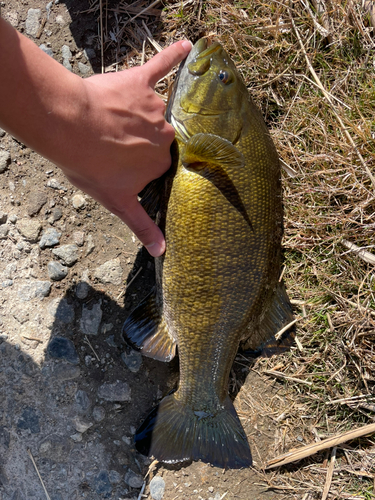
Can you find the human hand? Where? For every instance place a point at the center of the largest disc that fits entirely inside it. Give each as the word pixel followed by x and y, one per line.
pixel 122 142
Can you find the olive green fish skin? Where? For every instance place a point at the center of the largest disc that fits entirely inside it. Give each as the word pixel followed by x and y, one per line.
pixel 218 273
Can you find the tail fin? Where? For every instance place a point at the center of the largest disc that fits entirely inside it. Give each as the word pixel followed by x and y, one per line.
pixel 173 432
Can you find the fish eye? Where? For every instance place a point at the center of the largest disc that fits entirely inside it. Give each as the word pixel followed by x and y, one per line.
pixel 224 76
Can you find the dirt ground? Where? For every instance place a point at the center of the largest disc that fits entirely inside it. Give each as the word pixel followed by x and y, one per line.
pixel 53 408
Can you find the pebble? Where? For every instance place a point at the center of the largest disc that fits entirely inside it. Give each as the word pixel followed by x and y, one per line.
pixel 55 184
pixel 61 310
pixel 29 229
pixel 110 272
pixel 35 289
pixel 2 132
pixel 62 348
pixel 4 161
pixel 90 319
pixel 84 68
pixel 32 22
pixel 98 413
pixel 56 271
pixel 82 290
pixel 13 218
pixel 102 484
pixel 29 420
pixel 67 65
pixel 76 437
pixel 46 49
pixel 3 217
pixel 65 371
pixel 133 480
pixel 35 202
pixel 60 20
pixel 50 238
pixel 118 391
pixel 82 401
pixel 157 488
pixel 90 244
pixel 20 314
pixel 78 201
pixel 67 253
pixel 56 214
pixel 66 52
pixel 78 238
pixel 81 425
pixel 4 230
pixel 7 283
pixel 114 477
pixel 89 53
pixel 133 360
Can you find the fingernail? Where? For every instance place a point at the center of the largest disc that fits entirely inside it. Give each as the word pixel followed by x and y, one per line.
pixel 156 249
pixel 187 45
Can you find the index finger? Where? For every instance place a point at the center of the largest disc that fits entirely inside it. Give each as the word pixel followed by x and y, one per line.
pixel 162 63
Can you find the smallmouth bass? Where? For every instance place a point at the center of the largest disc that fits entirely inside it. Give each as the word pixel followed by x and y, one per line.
pixel 218 288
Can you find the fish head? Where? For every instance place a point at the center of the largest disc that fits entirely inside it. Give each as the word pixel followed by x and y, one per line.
pixel 207 95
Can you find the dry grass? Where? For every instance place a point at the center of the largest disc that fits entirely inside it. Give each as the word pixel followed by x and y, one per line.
pixel 310 67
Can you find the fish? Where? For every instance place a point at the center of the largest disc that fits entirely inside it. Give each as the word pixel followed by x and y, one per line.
pixel 217 285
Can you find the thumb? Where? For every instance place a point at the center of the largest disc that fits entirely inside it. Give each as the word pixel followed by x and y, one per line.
pixel 136 218
pixel 162 63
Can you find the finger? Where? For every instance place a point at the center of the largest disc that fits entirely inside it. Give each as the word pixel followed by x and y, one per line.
pixel 136 218
pixel 161 64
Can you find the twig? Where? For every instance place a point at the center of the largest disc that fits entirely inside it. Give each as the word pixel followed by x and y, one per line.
pixel 366 256
pixel 286 327
pixel 310 449
pixel 130 282
pixel 89 343
pixel 277 374
pixel 36 468
pixel 329 474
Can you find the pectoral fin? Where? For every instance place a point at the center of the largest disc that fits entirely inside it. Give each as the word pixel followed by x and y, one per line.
pixel 212 149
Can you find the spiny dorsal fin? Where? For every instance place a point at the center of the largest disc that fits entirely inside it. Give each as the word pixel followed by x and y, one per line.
pixel 145 329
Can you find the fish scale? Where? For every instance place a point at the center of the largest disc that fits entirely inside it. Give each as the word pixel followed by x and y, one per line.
pixel 218 283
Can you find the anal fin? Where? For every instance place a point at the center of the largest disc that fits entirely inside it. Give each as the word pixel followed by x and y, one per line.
pixel 145 330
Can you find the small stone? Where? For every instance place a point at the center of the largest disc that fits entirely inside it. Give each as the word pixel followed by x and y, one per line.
pixel 56 271
pixel 12 18
pixel 29 420
pixel 35 202
pixel 50 238
pixel 102 484
pixel 62 348
pixel 110 272
pixel 78 201
pixel 6 283
pixel 60 20
pixel 20 314
pixel 98 413
pixel 211 489
pixel 56 214
pixel 77 437
pixel 3 217
pixel 35 289
pixel 127 440
pixel 4 161
pixel 89 53
pixel 55 184
pixel 133 360
pixel 90 245
pixel 157 487
pixel 118 391
pixel 84 68
pixel 46 49
pixel 78 238
pixel 82 401
pixel 133 480
pixel 32 22
pixel 91 318
pixel 114 477
pixel 67 65
pixel 67 253
pixel 66 52
pixel 4 230
pixel 13 218
pixel 81 425
pixel 65 371
pixel 82 290
pixel 29 229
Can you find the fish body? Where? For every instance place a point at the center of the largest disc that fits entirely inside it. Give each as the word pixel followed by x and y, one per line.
pixel 218 282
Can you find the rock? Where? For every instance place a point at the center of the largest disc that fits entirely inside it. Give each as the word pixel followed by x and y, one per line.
pixel 4 161
pixel 46 49
pixel 56 214
pixel 67 253
pixel 35 289
pixel 12 18
pixel 36 200
pixel 13 218
pixel 118 391
pixel 61 310
pixel 110 272
pixel 90 244
pixel 20 314
pixel 6 283
pixel 32 22
pixel 90 320
pixel 82 401
pixel 114 477
pixel 84 68
pixel 78 201
pixel 102 484
pixel 157 487
pixel 29 420
pixel 56 271
pixel 78 238
pixel 82 290
pixel 55 184
pixel 133 360
pixel 10 270
pixel 4 230
pixel 67 64
pixel 65 371
pixel 133 480
pixel 60 20
pixel 66 52
pixel 29 229
pixel 3 217
pixel 81 425
pixel 62 348
pixel 77 437
pixel 98 413
pixel 50 238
